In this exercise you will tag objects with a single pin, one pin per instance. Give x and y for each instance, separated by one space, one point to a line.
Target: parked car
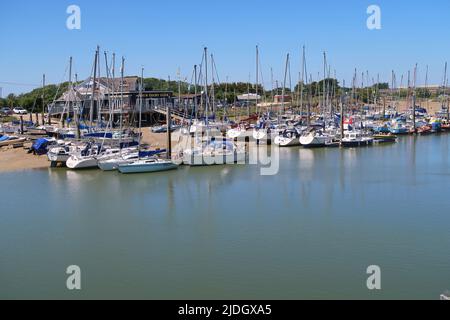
6 111
20 110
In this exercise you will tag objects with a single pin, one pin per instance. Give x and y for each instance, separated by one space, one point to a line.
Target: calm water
226 232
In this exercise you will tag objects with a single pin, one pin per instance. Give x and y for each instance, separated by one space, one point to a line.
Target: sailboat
289 137
147 166
212 148
86 159
151 164
315 139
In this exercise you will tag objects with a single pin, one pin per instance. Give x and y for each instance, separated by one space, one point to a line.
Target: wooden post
21 124
169 129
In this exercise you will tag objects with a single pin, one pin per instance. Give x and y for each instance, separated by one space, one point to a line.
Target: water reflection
185 233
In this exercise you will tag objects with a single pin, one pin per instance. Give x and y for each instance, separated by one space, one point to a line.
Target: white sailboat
84 160
315 139
243 131
151 164
147 165
288 138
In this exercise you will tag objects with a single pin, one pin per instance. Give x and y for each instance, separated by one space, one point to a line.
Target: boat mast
110 85
445 91
271 80
213 93
414 98
226 101
248 96
43 102
426 88
342 111
283 92
121 104
91 114
324 103
99 102
302 83
195 92
140 109
206 88
257 79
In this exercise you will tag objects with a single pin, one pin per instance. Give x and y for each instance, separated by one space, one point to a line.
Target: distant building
107 99
279 98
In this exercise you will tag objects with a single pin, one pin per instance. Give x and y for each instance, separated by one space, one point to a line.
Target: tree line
35 99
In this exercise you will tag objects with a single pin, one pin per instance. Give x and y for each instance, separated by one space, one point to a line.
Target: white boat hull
260 134
286 142
56 157
210 159
82 163
314 141
147 167
237 133
113 164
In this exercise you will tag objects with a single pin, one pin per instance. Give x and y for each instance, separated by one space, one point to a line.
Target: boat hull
146 168
286 142
209 160
55 157
11 142
314 141
236 134
83 163
355 144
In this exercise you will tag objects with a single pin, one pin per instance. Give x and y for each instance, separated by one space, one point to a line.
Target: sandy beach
19 159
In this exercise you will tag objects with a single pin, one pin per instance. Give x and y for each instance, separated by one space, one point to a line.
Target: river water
227 232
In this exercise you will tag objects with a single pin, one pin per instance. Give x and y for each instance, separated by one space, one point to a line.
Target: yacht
315 139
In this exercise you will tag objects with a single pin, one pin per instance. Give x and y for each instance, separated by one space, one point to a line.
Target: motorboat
356 138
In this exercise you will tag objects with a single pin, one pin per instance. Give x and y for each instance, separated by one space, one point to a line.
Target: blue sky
163 36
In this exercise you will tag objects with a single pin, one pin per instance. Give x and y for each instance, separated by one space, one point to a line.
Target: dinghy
10 140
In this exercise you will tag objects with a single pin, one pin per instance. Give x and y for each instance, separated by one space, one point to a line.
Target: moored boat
147 165
315 139
288 138
356 138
